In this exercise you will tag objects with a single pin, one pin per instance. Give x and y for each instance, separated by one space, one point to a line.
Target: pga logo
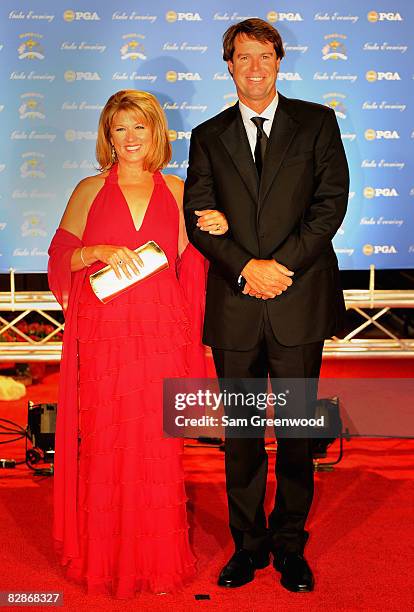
289 76
173 135
172 16
188 76
273 16
380 134
378 249
378 192
173 76
72 135
70 15
373 17
386 192
372 76
72 75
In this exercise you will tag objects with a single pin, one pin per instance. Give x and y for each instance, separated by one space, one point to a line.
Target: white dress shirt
251 130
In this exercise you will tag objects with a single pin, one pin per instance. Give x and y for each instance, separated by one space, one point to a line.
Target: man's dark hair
253 28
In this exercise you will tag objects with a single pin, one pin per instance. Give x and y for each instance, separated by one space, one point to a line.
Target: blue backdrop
61 61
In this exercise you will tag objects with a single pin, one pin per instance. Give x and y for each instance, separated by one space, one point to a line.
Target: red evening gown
133 532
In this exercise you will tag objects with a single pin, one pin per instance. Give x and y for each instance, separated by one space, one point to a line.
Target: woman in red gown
120 516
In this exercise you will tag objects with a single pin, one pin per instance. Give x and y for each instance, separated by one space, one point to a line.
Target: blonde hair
146 106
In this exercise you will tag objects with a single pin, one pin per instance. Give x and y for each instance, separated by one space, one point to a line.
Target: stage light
41 426
329 410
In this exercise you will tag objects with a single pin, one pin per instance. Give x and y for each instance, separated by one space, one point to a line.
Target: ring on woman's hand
218 227
120 262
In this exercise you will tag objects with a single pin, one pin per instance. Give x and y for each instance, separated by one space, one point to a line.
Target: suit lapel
284 128
234 138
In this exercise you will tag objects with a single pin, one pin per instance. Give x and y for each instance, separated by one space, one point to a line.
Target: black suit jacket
291 216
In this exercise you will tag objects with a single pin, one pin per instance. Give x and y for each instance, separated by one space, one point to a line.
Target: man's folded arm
199 194
328 207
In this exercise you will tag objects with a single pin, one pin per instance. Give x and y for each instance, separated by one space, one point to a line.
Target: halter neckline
113 175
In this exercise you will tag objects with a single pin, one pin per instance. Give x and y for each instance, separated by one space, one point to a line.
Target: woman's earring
113 154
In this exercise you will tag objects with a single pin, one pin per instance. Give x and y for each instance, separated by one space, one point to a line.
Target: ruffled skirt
131 498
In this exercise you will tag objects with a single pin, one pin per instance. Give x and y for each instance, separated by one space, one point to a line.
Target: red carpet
361 527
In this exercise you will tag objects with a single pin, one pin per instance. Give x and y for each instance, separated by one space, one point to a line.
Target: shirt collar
268 113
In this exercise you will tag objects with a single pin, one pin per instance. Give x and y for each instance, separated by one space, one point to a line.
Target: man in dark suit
277 169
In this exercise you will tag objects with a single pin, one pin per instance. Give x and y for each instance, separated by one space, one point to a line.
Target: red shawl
191 271
66 287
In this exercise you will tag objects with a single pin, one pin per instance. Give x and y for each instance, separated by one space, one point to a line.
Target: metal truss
363 302
382 302
21 304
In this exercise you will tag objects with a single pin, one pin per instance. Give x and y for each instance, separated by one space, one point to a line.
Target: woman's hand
119 258
212 221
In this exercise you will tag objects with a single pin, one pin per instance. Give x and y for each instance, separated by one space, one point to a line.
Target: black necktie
261 142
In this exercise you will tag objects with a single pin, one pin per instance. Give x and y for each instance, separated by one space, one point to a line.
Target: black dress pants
246 458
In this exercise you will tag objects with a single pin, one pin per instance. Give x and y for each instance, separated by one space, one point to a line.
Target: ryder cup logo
335 101
33 225
30 48
33 165
335 48
132 48
31 106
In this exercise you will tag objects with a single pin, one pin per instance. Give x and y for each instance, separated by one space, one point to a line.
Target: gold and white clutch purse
107 286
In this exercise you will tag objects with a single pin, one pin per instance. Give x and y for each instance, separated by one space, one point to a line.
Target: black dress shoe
241 567
296 575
